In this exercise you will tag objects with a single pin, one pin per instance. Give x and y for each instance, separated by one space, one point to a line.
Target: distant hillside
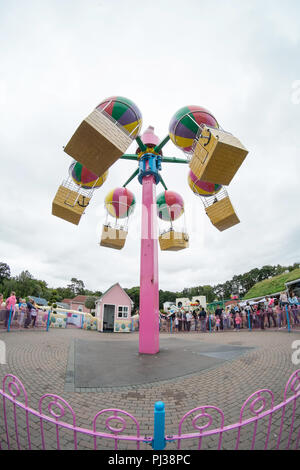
273 285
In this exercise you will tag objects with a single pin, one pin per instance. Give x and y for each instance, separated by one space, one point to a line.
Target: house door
109 318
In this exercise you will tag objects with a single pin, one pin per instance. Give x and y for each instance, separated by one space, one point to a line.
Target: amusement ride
213 155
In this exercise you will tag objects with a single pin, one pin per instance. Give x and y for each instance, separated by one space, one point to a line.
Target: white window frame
123 307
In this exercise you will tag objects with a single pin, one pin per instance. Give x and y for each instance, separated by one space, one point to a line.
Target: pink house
113 310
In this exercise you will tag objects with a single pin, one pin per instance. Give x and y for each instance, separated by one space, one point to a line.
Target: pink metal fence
261 424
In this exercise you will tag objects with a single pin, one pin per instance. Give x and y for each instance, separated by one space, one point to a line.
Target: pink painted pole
149 296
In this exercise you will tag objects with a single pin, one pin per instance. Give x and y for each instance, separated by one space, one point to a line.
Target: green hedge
271 286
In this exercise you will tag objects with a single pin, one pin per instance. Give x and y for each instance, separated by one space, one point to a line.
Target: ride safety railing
261 424
15 319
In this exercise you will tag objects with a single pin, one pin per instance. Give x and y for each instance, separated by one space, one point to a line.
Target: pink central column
149 296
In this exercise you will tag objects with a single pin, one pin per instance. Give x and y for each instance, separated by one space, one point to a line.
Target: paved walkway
40 361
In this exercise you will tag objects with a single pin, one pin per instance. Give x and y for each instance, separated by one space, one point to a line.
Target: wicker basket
113 237
173 241
98 143
217 156
69 205
222 214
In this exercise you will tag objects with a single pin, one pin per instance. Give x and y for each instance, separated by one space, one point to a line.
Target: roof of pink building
114 285
79 299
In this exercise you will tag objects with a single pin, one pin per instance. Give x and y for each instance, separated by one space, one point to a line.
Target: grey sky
59 59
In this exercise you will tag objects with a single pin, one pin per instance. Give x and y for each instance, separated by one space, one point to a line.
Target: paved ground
42 362
99 364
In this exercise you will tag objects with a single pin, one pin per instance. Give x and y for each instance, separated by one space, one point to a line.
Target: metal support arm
173 160
163 183
162 144
131 178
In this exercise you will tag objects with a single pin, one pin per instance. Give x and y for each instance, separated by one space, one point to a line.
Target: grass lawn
271 286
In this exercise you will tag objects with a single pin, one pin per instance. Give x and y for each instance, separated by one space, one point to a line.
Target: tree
10 285
97 294
166 296
90 303
134 294
77 287
4 272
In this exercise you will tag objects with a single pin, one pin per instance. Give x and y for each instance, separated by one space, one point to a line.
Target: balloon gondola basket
220 210
217 155
113 237
172 240
99 141
71 201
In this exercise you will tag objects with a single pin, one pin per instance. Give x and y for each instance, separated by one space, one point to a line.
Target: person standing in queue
189 317
202 316
233 313
218 314
30 308
249 317
10 304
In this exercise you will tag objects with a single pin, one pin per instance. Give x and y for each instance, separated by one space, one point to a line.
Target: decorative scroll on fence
261 424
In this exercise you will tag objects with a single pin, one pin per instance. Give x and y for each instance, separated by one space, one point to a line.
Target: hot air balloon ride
119 204
216 155
104 136
75 192
213 155
216 202
170 207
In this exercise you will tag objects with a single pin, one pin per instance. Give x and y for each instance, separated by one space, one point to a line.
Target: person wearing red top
261 316
10 304
238 322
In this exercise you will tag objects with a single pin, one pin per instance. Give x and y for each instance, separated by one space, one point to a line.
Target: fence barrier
261 424
16 319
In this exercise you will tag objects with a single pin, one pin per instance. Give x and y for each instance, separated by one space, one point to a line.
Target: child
238 322
218 321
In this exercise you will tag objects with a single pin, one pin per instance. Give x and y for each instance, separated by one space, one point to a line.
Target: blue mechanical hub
149 164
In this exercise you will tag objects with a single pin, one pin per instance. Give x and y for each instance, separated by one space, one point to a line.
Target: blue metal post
287 318
249 324
131 324
9 320
48 321
171 325
81 321
159 442
209 321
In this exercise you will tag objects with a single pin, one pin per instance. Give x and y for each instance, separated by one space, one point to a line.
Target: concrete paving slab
103 364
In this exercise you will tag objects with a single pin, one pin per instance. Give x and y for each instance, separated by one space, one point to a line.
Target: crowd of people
282 312
271 312
21 312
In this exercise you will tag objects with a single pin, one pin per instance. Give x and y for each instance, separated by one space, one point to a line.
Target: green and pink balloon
170 206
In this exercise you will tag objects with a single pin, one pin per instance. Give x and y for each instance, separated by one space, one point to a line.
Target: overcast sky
61 58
